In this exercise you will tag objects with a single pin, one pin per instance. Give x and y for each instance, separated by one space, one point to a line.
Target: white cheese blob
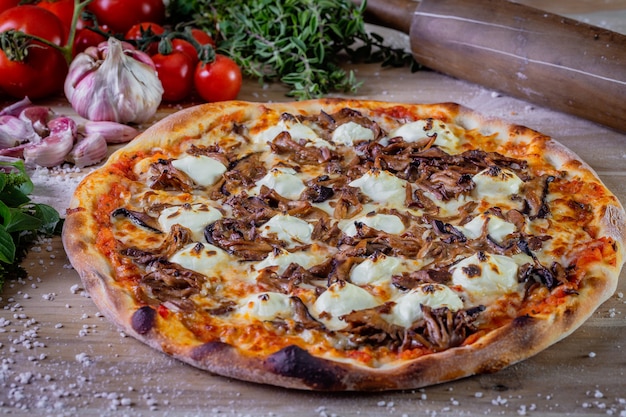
497 183
375 270
422 129
266 306
382 187
202 258
194 217
349 132
408 307
496 227
339 299
202 169
284 258
388 223
289 229
296 130
486 276
284 181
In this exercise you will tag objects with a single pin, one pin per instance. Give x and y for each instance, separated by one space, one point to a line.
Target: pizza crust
294 367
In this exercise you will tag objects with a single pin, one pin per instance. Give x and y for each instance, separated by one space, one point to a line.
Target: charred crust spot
295 362
208 349
523 321
142 320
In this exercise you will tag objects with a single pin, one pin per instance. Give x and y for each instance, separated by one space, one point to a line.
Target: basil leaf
7 247
13 196
49 217
21 221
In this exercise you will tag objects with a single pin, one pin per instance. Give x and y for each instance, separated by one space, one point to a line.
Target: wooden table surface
59 356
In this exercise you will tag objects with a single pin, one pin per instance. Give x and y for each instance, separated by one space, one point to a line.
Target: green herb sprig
21 220
300 43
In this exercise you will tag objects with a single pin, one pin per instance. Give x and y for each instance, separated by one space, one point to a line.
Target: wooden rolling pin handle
396 14
525 52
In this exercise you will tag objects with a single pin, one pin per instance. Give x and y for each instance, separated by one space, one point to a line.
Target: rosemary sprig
300 43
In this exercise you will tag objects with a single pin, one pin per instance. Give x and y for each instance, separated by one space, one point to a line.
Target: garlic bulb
114 82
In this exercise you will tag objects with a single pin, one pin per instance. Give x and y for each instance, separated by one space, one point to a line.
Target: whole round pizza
345 245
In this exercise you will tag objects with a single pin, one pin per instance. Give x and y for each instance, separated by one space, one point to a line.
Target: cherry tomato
43 70
7 4
63 9
187 48
134 34
34 21
202 37
121 15
219 80
86 38
176 72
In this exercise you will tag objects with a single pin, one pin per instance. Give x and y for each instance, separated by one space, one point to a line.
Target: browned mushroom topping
410 280
239 237
166 281
165 177
442 328
284 145
369 327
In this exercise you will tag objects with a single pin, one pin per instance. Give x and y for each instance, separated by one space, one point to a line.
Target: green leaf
7 247
48 216
13 196
21 221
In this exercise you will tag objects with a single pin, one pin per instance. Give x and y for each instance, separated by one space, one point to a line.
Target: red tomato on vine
219 80
121 15
176 71
38 70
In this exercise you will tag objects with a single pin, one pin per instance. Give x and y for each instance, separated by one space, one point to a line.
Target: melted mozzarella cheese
284 181
194 217
496 227
347 133
283 259
408 307
203 258
375 270
289 229
297 131
388 223
202 169
423 129
339 299
496 183
382 187
266 306
486 276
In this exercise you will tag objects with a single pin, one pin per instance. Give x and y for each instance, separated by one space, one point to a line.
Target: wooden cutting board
59 356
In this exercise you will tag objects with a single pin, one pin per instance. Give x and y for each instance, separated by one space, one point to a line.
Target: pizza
342 245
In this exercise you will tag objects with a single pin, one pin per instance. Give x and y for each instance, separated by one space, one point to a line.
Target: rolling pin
543 58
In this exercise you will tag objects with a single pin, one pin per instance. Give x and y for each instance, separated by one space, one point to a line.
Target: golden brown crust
293 366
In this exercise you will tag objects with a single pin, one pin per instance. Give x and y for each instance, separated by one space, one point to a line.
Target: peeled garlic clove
113 132
14 131
90 150
37 117
51 151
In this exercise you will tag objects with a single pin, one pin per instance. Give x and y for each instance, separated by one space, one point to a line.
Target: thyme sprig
301 43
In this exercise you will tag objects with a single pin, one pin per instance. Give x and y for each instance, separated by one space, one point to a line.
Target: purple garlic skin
113 82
